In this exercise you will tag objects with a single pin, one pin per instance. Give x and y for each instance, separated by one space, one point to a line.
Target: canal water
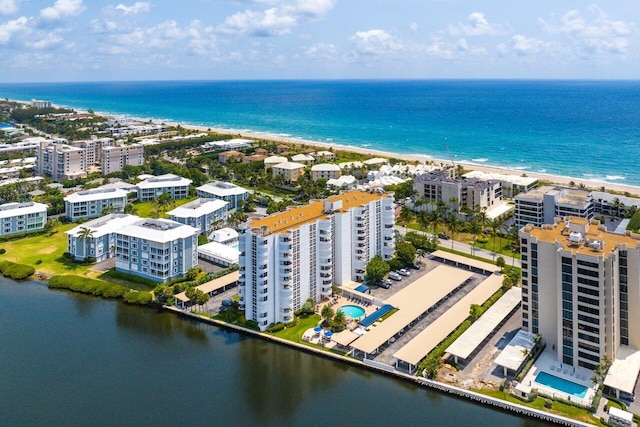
74 360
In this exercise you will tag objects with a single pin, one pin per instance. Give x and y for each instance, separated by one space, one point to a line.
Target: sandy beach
557 179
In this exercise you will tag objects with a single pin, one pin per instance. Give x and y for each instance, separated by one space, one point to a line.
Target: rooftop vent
596 245
575 238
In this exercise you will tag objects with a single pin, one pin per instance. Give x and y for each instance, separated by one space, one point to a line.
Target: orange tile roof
298 215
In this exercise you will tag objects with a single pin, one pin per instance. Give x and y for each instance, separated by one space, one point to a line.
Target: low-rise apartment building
290 171
176 186
94 203
96 239
156 249
202 214
325 171
544 204
223 191
22 217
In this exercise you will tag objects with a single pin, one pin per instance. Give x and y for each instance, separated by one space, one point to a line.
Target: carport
469 263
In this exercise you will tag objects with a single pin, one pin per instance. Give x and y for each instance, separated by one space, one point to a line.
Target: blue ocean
582 129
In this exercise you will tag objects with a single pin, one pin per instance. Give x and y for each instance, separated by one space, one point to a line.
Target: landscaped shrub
276 328
16 271
3 251
138 298
88 286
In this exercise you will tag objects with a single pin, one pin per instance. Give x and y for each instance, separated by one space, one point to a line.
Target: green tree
85 234
327 314
500 263
377 269
405 252
339 322
405 217
475 311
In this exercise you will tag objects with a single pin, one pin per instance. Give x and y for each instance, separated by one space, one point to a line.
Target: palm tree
454 225
84 234
496 225
423 220
617 205
327 314
405 217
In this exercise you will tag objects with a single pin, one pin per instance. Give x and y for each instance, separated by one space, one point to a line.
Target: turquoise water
353 311
583 129
562 385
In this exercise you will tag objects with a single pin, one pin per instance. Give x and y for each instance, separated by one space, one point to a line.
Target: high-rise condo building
291 256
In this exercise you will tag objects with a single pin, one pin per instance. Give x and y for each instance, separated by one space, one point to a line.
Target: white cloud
375 42
441 49
62 9
137 7
8 7
592 36
520 45
476 25
195 38
275 21
268 23
326 51
11 28
413 27
49 41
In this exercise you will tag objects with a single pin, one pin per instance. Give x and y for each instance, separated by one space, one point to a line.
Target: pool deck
548 363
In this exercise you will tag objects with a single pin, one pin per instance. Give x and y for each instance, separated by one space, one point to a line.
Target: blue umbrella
317 329
328 333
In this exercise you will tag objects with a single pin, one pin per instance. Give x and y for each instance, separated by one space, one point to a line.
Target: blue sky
78 40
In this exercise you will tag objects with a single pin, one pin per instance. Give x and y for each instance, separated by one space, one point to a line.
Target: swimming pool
562 385
353 311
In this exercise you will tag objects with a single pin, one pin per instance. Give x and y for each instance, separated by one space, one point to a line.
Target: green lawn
295 333
48 250
556 408
148 210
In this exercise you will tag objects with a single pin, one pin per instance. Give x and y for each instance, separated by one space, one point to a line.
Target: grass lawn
48 250
148 210
295 333
556 408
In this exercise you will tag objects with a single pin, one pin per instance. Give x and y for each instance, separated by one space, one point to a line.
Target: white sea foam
614 178
480 160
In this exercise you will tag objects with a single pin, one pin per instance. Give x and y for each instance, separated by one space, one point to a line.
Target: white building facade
22 217
93 203
581 289
176 186
291 256
156 249
201 214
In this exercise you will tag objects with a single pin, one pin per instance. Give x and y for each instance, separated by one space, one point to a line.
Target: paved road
464 247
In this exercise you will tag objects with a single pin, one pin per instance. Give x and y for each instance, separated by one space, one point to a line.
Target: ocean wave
480 160
521 168
542 171
614 178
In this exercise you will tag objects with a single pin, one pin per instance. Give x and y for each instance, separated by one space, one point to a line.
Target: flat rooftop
298 215
558 234
482 328
416 349
463 260
411 302
623 373
513 354
512 179
213 285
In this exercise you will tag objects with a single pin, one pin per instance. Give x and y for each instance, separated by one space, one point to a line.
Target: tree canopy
377 269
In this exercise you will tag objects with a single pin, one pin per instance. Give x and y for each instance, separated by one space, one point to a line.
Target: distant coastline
559 131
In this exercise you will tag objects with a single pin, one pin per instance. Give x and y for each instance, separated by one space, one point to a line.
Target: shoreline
564 180
423 158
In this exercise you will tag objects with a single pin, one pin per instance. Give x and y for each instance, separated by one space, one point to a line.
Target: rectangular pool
562 385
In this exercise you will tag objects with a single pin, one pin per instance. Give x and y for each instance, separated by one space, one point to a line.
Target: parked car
416 266
395 276
227 303
404 272
385 284
443 236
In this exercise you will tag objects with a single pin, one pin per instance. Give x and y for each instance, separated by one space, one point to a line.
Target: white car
395 276
404 272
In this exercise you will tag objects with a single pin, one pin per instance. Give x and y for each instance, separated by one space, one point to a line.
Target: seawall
424 382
